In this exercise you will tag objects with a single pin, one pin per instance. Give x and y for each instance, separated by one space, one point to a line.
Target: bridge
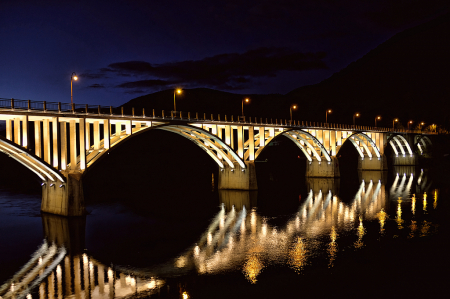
60 142
236 235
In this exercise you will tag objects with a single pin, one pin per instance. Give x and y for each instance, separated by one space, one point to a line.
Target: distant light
247 100
75 78
178 91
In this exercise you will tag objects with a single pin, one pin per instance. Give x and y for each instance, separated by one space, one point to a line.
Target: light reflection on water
237 239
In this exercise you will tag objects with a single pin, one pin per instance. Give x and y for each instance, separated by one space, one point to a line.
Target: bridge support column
373 164
65 199
323 184
64 231
323 169
407 160
238 178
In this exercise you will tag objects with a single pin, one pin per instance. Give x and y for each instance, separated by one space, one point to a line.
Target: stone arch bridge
61 142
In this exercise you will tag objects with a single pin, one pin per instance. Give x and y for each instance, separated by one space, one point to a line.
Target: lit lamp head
396 119
178 90
294 107
357 114
329 111
74 76
247 100
378 117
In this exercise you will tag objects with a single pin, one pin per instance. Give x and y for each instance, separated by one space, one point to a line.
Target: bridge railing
36 106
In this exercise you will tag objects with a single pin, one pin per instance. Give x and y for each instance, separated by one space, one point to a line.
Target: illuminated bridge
61 142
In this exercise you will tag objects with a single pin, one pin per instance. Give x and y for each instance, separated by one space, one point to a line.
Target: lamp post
377 118
409 123
292 107
246 100
421 125
72 78
326 115
393 123
355 115
178 90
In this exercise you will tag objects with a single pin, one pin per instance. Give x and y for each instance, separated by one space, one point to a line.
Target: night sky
125 49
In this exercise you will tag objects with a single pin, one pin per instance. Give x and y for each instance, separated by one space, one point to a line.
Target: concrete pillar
239 199
372 164
96 135
88 136
323 184
240 140
251 143
262 137
106 134
9 128
37 138
25 135
82 131
46 135
407 160
65 231
65 199
118 128
323 169
55 135
73 145
63 137
228 135
238 178
17 137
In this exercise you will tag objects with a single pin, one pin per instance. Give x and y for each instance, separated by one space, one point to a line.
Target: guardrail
97 110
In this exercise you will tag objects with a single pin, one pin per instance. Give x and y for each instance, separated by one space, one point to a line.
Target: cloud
224 71
96 85
143 84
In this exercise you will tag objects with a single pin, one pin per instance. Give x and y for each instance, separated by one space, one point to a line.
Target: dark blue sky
124 49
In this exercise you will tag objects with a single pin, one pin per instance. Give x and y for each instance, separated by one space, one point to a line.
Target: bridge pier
65 199
373 163
323 169
406 160
238 178
64 231
323 185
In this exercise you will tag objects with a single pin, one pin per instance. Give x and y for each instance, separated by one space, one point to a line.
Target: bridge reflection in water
237 238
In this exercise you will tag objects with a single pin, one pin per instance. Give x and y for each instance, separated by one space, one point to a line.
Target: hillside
406 77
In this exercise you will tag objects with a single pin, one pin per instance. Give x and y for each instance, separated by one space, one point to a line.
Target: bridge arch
219 151
423 143
364 145
307 143
37 165
399 144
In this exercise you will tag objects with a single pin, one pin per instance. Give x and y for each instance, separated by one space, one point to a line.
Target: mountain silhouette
405 77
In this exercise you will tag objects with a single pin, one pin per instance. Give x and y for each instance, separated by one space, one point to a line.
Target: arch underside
423 144
400 146
220 152
364 145
42 169
307 143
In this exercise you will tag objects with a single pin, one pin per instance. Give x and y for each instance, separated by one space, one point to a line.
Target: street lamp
409 123
393 122
421 124
178 90
246 100
377 118
326 115
293 107
72 78
355 115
